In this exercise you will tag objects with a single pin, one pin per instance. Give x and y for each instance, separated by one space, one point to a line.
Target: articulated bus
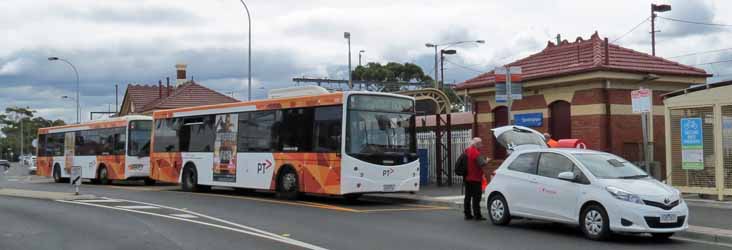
343 143
114 149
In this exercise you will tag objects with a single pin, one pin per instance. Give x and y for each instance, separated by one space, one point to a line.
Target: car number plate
668 218
388 187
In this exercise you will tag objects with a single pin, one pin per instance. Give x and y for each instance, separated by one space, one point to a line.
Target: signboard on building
529 119
641 100
502 77
692 144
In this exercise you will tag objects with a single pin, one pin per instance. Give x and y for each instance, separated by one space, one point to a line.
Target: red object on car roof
571 143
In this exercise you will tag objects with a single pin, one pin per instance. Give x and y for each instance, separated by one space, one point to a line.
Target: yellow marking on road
133 188
295 203
404 209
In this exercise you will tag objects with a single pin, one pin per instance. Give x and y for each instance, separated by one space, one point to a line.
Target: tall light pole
359 56
249 63
433 45
656 8
442 64
78 107
347 36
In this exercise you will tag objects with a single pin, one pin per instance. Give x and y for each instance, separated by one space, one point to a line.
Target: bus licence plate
668 218
388 187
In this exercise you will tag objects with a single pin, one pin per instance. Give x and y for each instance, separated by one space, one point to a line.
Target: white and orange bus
114 149
343 143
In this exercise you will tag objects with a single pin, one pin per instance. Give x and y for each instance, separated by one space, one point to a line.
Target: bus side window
327 129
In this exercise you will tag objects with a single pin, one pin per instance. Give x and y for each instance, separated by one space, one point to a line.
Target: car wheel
103 176
594 223
57 174
498 210
661 236
288 185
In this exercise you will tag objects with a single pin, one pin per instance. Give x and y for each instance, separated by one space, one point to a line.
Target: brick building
582 89
144 99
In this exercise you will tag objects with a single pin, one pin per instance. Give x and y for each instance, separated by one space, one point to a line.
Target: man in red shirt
473 180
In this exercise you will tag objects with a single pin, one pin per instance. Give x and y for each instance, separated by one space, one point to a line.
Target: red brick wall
592 130
588 96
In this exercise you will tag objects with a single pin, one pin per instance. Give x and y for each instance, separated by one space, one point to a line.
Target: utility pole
347 36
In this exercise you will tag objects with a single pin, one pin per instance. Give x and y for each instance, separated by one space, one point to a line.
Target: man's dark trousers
473 194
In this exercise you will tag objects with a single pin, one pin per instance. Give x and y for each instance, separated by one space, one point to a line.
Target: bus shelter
698 122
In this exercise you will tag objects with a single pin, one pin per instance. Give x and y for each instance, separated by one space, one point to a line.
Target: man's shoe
479 218
468 217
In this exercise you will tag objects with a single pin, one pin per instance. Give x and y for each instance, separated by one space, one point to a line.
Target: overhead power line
465 67
631 30
695 22
709 63
702 52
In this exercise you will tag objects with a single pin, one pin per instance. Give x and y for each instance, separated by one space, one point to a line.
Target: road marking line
264 233
701 241
304 204
278 238
138 207
188 216
98 201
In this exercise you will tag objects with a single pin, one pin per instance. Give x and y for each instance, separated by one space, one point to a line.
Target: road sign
75 178
692 144
506 77
529 119
641 100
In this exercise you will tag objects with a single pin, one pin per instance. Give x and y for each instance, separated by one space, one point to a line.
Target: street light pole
359 56
656 8
78 107
347 36
442 65
432 45
249 63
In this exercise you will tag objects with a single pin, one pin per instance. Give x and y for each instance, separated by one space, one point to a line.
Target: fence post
438 148
448 125
718 150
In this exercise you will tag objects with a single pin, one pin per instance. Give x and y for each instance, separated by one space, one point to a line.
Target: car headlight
624 195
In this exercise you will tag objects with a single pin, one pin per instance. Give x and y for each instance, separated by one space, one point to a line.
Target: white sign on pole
641 100
75 178
508 78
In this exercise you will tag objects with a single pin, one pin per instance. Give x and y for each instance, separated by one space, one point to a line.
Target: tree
11 121
393 76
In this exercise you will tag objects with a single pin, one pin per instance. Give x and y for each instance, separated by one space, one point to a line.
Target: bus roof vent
297 91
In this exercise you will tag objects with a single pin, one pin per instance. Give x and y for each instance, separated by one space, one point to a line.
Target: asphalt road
321 221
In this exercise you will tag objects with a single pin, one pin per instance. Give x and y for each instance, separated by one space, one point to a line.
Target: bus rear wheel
288 185
57 174
189 180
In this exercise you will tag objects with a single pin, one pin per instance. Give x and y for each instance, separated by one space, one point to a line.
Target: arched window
560 120
500 118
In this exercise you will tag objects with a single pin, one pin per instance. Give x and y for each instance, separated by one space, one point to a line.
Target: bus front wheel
288 184
103 176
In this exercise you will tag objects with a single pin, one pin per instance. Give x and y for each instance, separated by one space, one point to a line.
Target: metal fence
460 141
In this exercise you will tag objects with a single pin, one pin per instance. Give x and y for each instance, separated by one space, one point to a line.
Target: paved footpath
710 220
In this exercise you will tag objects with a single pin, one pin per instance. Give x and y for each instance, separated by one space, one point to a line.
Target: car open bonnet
517 138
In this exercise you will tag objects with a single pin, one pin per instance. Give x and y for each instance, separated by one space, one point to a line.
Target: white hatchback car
600 192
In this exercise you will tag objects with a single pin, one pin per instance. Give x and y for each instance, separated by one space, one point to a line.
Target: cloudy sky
139 41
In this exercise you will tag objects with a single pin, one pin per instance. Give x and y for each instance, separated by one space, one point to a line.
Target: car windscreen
608 166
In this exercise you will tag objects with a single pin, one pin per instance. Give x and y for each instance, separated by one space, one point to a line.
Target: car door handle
534 181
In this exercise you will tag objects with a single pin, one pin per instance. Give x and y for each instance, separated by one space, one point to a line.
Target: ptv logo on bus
387 172
263 166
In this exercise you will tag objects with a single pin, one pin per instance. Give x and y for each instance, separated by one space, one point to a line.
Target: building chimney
167 86
160 89
607 52
181 74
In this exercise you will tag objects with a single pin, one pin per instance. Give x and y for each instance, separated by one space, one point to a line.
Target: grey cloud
698 11
139 14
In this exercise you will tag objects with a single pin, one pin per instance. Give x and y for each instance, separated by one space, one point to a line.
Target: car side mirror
567 176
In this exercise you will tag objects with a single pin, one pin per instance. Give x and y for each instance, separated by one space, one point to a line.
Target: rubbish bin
424 164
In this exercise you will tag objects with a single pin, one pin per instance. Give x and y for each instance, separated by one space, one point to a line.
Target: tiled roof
584 56
187 95
142 95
